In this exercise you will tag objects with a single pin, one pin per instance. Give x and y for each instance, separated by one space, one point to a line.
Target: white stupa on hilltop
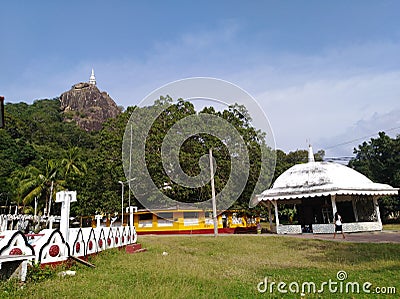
92 79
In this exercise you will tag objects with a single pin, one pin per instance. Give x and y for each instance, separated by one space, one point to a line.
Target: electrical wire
360 138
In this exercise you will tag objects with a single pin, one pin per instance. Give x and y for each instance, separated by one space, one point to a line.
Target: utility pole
214 204
1 112
51 197
122 202
130 169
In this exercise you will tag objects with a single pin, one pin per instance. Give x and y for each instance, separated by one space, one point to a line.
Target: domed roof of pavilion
321 179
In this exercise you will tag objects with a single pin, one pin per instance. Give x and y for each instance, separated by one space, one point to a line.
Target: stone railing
330 228
289 229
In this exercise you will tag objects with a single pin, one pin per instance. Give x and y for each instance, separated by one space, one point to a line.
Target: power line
360 138
346 158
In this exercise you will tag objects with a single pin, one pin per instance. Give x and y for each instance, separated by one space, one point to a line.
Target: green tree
379 160
98 189
43 185
72 164
196 147
34 135
38 135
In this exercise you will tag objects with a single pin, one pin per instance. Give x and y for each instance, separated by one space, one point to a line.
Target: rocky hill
85 104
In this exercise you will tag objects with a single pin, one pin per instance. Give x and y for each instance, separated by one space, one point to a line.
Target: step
134 248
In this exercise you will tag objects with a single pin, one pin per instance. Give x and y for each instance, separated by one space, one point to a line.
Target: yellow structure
180 221
188 221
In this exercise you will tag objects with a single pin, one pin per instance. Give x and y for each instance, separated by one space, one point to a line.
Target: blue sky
324 71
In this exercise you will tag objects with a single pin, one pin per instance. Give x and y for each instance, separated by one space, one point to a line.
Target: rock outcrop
87 106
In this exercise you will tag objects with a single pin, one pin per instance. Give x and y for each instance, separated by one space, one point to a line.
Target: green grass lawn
223 267
394 226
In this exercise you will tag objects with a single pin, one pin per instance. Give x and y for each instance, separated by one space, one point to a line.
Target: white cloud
306 98
343 143
321 97
326 107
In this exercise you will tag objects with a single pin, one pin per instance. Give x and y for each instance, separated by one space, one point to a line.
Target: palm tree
41 184
15 181
72 163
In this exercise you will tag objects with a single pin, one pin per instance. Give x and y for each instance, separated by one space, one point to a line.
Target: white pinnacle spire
92 79
310 154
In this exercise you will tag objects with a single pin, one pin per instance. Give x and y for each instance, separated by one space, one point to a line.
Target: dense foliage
379 159
194 149
41 153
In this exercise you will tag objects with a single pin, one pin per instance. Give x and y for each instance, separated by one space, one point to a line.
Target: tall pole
51 195
214 204
130 169
1 112
122 203
35 207
34 217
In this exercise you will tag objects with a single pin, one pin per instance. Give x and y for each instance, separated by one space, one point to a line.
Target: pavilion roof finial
310 154
92 79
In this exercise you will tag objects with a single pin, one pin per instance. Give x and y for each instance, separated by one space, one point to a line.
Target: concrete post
51 220
4 223
24 270
98 218
65 198
131 210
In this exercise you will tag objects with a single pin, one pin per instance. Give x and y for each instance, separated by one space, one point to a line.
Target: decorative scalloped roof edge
316 179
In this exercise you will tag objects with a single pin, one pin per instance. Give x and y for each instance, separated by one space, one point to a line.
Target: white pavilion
317 190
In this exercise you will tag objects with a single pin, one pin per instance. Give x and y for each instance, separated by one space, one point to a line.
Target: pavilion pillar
376 207
275 203
269 215
333 200
353 202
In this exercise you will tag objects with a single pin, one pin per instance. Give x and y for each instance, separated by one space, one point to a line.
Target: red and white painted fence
51 246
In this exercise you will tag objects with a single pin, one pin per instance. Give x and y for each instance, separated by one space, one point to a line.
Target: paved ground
366 237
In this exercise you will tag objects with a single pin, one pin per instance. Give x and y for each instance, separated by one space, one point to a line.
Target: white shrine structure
317 190
92 79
